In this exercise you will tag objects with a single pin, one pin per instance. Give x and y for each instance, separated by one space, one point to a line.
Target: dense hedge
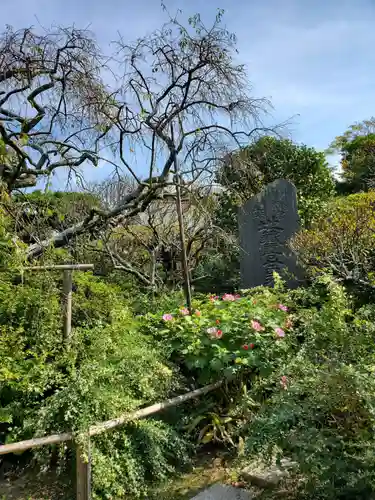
341 241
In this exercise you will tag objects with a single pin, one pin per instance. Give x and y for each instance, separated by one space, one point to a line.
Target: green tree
341 241
245 172
357 149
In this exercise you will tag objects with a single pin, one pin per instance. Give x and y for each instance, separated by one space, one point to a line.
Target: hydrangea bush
306 362
225 335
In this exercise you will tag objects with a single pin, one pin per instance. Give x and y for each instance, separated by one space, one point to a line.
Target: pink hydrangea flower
167 317
228 297
185 311
237 296
279 332
282 307
284 382
214 332
257 326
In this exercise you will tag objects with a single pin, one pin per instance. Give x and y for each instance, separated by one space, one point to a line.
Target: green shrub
342 241
142 453
109 368
225 335
247 171
144 303
318 408
95 300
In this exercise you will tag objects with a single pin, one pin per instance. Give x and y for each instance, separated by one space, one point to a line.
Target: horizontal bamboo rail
109 424
61 267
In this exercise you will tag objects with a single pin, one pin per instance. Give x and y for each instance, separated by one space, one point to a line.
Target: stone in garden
266 224
223 492
265 476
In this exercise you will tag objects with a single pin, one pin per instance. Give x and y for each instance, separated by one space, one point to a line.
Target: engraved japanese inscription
266 224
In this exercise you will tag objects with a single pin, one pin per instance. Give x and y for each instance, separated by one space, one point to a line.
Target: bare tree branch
47 83
185 77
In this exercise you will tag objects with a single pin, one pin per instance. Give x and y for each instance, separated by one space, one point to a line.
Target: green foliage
219 263
155 302
219 268
38 213
308 396
222 337
109 368
357 149
11 248
342 240
95 300
215 428
144 452
247 171
321 414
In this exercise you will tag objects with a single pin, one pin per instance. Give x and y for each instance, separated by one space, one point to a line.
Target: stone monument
266 224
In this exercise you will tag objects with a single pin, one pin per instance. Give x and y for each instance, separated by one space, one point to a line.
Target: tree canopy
357 149
174 117
245 172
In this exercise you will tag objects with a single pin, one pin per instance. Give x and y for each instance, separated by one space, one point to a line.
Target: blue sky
314 59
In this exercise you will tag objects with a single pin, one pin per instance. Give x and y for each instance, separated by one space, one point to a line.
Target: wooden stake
83 475
67 304
185 265
67 290
184 258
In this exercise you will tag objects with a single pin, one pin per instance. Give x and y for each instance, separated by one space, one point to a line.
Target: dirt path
209 468
28 487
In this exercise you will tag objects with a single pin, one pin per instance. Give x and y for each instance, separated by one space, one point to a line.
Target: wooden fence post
67 290
83 474
67 304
